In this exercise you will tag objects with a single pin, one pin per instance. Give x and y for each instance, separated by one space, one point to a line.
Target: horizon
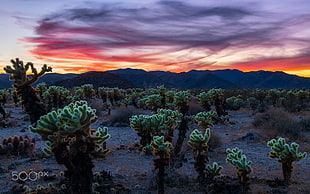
175 36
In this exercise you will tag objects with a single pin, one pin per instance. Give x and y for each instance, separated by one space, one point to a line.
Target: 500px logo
28 175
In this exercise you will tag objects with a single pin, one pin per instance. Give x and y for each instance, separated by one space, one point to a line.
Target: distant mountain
98 79
195 79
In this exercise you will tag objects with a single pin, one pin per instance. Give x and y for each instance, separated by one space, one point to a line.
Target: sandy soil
135 170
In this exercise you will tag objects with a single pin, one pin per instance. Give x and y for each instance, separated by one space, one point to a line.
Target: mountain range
195 79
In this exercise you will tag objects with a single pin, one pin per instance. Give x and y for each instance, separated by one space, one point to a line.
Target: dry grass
123 114
276 122
194 108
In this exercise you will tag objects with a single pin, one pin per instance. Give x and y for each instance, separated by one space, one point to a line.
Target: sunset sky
80 36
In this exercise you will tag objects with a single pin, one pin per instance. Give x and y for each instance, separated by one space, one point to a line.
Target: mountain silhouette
195 79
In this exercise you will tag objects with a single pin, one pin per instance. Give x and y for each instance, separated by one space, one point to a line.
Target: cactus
161 124
56 97
199 142
204 101
69 139
162 149
213 171
239 160
181 100
18 145
41 88
205 119
286 154
154 102
234 103
22 84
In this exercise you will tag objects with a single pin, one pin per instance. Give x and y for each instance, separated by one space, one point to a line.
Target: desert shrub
277 122
122 115
194 108
305 123
215 141
97 105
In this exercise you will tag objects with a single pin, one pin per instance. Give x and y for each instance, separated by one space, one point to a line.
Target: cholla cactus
153 102
213 171
204 101
239 160
286 154
22 83
198 142
69 135
181 100
88 91
162 149
56 97
205 119
18 145
41 88
234 103
162 124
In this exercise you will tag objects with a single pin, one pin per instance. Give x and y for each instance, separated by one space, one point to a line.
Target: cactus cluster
161 124
18 145
70 139
239 160
56 97
286 154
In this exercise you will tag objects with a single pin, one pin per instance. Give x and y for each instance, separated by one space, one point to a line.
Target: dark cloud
171 26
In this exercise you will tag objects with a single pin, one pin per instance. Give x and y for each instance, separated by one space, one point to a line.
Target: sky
180 35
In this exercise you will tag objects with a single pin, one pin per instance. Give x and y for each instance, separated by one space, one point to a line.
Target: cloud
173 35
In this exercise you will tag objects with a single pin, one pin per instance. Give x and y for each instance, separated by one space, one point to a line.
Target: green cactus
204 101
22 84
198 142
234 103
70 139
205 119
162 149
213 171
41 88
239 160
56 97
153 102
147 126
286 154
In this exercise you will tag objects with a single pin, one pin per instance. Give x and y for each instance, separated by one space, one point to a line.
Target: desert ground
133 170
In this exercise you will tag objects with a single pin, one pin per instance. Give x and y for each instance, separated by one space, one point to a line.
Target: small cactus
198 142
286 154
18 145
205 119
213 171
239 160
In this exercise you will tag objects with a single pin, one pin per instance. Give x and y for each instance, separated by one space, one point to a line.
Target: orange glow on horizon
297 66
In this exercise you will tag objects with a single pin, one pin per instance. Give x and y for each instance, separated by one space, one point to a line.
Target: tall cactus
198 142
286 154
68 136
162 149
22 84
